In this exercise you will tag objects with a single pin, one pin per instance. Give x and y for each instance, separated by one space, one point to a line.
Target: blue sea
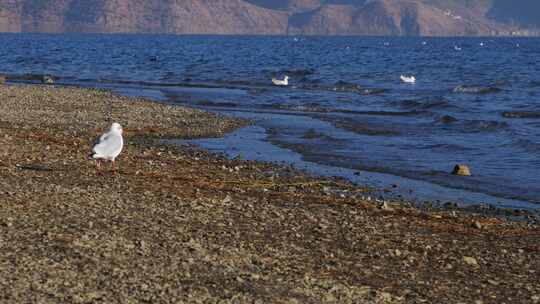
476 101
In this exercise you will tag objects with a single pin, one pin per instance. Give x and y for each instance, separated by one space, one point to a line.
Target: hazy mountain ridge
314 17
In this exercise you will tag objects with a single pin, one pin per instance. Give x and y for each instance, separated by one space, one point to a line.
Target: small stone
493 282
385 297
227 199
461 170
477 225
328 298
470 261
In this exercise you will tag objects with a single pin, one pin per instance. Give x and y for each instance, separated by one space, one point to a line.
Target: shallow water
345 106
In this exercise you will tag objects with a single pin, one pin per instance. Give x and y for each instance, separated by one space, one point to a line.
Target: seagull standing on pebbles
108 146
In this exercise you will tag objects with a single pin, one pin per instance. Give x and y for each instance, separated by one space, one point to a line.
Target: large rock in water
461 170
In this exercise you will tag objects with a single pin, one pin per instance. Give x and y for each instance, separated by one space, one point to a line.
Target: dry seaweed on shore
182 225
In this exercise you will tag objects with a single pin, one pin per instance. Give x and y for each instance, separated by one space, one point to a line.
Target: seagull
108 146
278 82
408 79
457 48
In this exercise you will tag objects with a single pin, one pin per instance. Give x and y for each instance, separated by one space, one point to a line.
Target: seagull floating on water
108 146
408 79
457 48
278 82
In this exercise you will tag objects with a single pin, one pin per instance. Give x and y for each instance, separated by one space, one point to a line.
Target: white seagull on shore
108 146
278 82
408 79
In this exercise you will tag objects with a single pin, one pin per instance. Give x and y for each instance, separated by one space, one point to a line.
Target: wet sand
179 225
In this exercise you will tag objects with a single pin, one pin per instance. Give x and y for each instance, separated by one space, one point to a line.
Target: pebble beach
177 224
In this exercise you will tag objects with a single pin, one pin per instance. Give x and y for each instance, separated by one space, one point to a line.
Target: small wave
308 107
360 128
435 103
382 113
484 125
312 134
527 145
472 89
445 147
372 91
447 119
342 86
521 114
296 72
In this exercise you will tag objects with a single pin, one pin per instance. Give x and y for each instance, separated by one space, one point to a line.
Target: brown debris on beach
180 225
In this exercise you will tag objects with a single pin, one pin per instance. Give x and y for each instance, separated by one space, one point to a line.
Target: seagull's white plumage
109 145
408 79
279 82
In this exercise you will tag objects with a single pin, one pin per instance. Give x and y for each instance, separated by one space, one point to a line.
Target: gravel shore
178 225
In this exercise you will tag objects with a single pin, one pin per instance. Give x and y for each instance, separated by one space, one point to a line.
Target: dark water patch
473 89
208 103
446 119
521 114
372 91
312 134
535 83
437 103
342 86
359 127
381 113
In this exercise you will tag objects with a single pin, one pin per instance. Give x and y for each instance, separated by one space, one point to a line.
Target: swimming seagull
278 82
408 79
108 146
457 48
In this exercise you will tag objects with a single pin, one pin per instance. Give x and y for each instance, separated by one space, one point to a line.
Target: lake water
476 100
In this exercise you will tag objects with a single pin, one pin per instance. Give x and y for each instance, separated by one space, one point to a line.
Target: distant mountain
276 17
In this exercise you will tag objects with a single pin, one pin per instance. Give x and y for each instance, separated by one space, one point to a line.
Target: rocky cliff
314 17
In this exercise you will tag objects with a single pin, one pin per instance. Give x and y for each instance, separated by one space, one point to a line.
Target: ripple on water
521 114
474 89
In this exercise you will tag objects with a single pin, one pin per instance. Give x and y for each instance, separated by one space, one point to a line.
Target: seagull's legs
113 166
98 164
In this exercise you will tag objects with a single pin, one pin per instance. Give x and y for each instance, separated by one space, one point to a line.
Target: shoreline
180 223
